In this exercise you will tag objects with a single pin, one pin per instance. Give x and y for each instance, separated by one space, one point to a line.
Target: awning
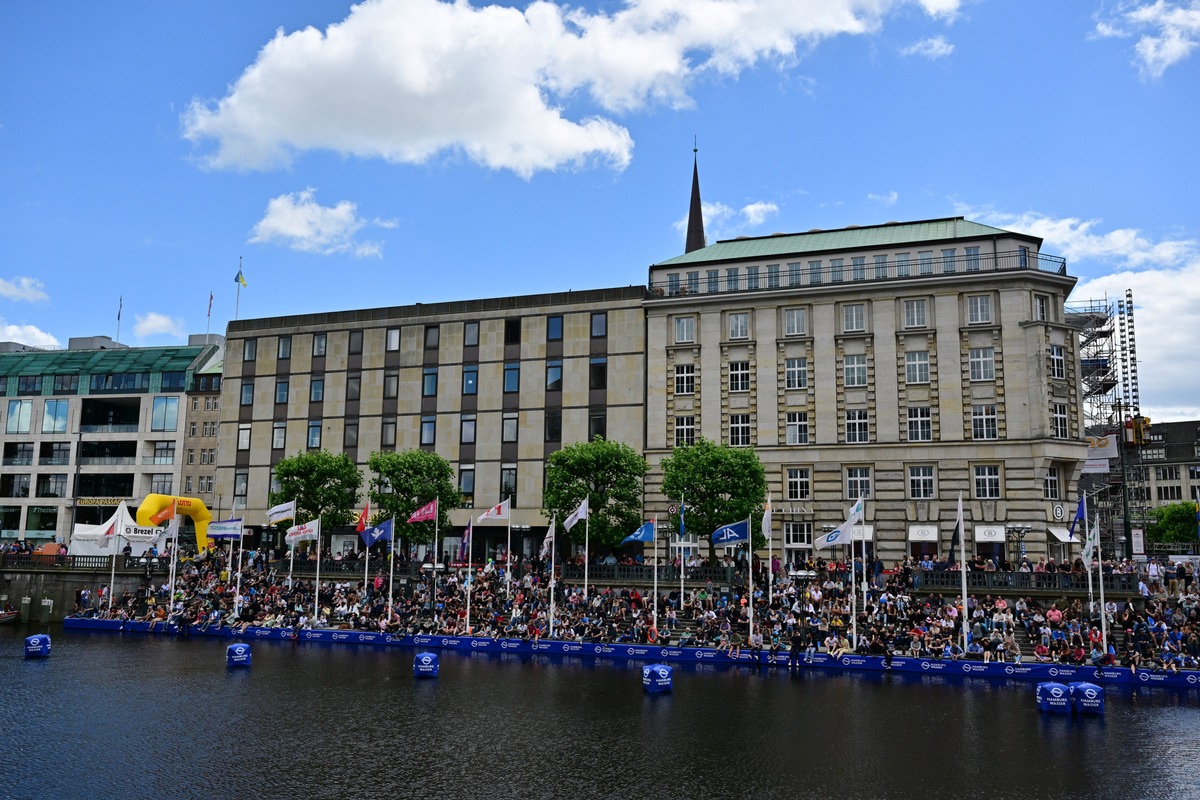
1062 534
989 533
923 533
864 532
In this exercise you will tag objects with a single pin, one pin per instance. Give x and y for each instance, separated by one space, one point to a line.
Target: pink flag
426 512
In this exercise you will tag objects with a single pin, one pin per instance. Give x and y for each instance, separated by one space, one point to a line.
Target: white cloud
931 48
888 199
155 324
406 80
27 289
757 213
27 334
1164 276
296 220
1167 31
723 221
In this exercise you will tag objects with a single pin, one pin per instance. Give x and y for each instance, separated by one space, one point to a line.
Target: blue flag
1078 518
732 534
683 508
642 534
381 531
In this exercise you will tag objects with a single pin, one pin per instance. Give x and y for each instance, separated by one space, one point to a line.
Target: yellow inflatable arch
193 507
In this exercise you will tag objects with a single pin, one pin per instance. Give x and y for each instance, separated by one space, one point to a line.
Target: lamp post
1020 532
431 569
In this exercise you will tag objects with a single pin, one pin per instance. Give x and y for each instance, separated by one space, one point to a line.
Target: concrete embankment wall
60 588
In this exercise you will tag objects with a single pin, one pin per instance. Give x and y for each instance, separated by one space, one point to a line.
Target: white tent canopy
89 540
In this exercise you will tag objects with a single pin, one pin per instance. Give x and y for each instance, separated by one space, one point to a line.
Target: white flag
281 512
1089 545
308 532
766 520
498 511
576 515
169 533
844 533
547 542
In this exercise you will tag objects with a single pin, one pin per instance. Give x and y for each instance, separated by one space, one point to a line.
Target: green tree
609 475
1173 523
322 484
720 484
406 481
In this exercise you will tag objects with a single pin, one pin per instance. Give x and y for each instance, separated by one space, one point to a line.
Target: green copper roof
891 234
98 362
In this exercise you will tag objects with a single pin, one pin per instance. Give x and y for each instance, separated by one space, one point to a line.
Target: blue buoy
37 646
657 678
1087 698
1053 698
425 665
237 655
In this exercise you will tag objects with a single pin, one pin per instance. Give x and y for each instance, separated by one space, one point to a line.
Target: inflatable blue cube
237 655
1053 698
37 646
425 665
657 678
1087 698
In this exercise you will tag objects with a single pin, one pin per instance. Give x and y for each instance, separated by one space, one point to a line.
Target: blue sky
416 151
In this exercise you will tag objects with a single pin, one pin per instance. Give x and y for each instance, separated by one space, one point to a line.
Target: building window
914 314
391 383
466 484
854 318
1041 308
752 278
54 420
392 340
243 436
858 427
318 345
281 390
187 484
353 387
191 453
948 259
835 269
162 483
797 538
508 483
795 276
858 268
916 366
387 434
979 309
881 267
241 487
685 330
693 283
902 261
1023 256
554 376
772 276
278 436
972 259
428 431
673 284
685 431
470 383
471 334
249 349
797 485
987 482
739 430
597 424
350 434
925 262
795 373
1058 362
247 393
63 384
713 279
983 421
795 321
732 279
739 376
466 433
508 427
1058 421
512 377
433 337
854 370
553 424
814 273
165 414
739 326
284 349
920 483
685 379
920 424
599 324
429 381
1052 486
14 485
314 434
797 427
858 482
1167 473
356 343
982 363
598 373
316 390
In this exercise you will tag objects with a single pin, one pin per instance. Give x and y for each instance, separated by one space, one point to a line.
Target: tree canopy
405 481
719 484
1173 523
322 484
610 476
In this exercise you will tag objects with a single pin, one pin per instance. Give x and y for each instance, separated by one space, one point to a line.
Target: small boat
9 616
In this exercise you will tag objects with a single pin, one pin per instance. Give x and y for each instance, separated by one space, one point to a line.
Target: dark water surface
116 716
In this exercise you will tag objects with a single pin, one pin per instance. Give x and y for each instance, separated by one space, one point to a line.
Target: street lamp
1019 531
431 569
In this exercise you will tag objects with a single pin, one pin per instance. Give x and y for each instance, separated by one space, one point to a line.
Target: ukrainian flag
240 278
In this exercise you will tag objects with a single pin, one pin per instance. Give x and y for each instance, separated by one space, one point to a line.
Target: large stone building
89 426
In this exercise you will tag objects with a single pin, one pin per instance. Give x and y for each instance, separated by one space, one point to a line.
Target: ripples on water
147 716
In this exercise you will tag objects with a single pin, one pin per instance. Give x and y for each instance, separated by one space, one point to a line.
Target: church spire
695 228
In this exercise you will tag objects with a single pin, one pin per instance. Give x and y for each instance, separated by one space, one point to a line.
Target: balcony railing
799 275
18 461
159 460
132 428
1004 582
91 461
54 461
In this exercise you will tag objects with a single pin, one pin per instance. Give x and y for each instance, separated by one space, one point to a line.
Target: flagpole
391 569
655 621
317 589
770 562
237 591
112 581
553 537
962 568
853 596
120 307
1087 531
238 299
1103 611
174 549
508 557
367 564
682 565
587 556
